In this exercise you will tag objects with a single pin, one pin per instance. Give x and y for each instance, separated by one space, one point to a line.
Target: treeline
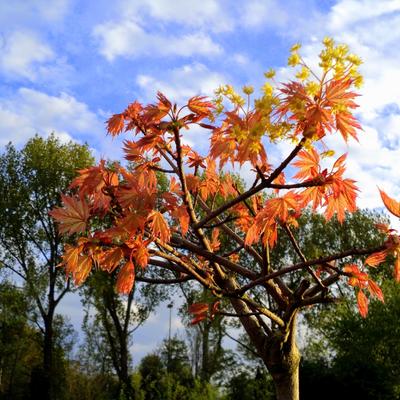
41 356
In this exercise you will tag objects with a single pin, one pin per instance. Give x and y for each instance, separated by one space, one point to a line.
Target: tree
116 319
166 230
30 246
19 350
167 374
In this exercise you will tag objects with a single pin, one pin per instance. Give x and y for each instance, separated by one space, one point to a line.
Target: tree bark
48 358
283 361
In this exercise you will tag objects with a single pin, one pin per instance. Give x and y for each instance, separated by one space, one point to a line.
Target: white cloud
210 14
22 11
22 52
182 83
262 13
129 39
347 12
372 30
29 112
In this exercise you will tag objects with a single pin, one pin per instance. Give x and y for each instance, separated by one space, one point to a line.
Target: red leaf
73 216
392 205
110 259
362 302
375 290
375 259
199 106
198 308
115 124
84 266
126 278
308 164
159 226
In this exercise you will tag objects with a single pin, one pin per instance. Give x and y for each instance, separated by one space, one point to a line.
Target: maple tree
178 230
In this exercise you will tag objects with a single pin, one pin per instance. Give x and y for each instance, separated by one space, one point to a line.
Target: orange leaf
362 302
126 278
70 258
142 256
73 216
159 226
375 259
198 308
199 106
252 235
215 243
115 124
308 164
392 205
375 290
110 259
84 266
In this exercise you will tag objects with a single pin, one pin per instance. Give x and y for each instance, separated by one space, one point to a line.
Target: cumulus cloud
261 13
129 39
181 83
30 111
210 14
370 29
28 12
22 52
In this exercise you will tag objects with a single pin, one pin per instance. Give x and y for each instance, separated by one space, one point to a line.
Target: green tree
354 356
19 349
31 180
115 320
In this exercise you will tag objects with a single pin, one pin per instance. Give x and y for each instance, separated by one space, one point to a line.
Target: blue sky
67 65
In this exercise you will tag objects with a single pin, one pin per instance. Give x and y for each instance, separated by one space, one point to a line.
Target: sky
67 65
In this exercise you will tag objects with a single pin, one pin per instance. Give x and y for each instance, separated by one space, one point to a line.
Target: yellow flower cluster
336 58
228 92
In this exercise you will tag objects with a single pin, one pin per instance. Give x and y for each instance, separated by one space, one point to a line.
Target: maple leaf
340 198
375 259
141 256
346 123
110 259
199 311
115 124
159 226
362 303
392 205
164 103
70 258
72 218
82 270
126 278
198 105
308 163
375 290
279 207
183 217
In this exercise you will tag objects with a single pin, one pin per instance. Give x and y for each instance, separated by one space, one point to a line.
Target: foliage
147 226
363 359
169 376
30 246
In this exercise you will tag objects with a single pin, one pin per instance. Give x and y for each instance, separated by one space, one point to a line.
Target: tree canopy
120 220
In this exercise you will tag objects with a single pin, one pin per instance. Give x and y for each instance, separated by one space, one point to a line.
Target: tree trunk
283 364
48 359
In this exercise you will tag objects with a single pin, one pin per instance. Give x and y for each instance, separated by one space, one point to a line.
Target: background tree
352 355
31 180
115 319
20 351
165 230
